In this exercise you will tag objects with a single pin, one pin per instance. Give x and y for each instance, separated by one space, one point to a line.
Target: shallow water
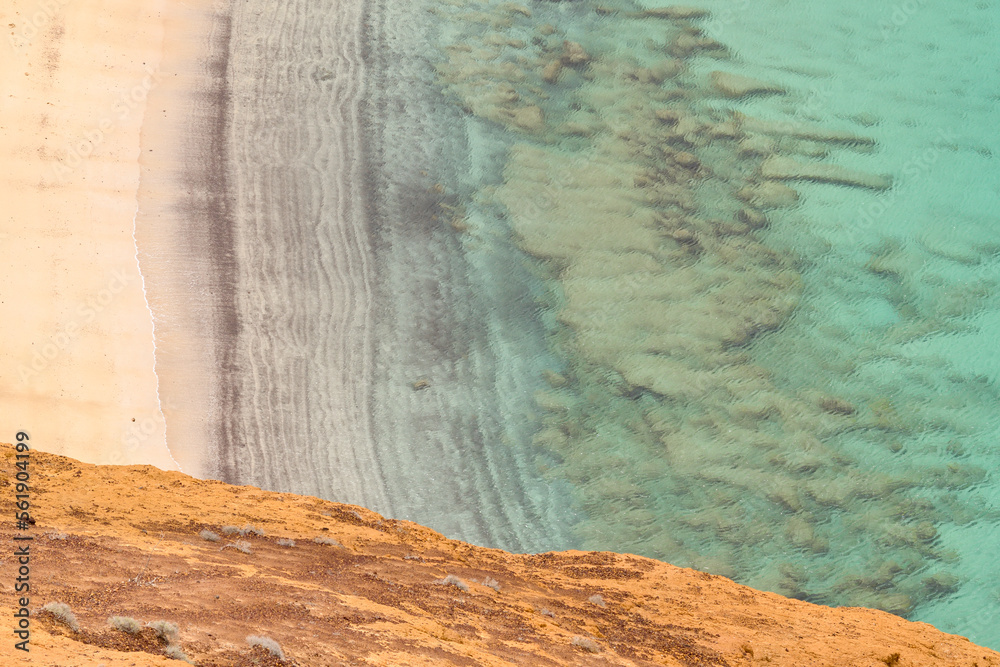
922 79
808 405
584 301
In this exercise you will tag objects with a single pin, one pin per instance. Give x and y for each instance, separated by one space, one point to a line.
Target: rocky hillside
194 568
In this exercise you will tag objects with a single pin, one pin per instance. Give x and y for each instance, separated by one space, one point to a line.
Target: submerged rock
768 194
513 8
724 130
784 168
801 131
529 118
579 128
574 54
554 379
687 43
658 73
675 12
734 85
752 218
667 116
757 144
837 406
551 72
942 583
686 160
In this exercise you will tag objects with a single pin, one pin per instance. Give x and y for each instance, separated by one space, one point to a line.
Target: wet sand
76 350
297 369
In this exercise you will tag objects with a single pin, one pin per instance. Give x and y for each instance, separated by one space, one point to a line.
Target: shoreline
292 350
77 371
184 228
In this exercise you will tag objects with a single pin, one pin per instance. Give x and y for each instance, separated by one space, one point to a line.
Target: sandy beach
76 345
222 232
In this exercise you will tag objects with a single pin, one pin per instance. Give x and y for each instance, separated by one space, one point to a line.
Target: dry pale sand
76 343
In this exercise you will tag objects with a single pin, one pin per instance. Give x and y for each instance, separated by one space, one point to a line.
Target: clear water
568 288
809 405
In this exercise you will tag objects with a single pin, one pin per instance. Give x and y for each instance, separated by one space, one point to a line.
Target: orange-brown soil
124 541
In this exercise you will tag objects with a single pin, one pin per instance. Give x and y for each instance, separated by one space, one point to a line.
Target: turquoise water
796 388
922 78
715 285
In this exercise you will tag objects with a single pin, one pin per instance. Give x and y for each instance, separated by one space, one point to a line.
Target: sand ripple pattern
298 413
362 367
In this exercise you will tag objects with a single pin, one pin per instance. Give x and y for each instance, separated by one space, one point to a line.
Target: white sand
172 228
76 341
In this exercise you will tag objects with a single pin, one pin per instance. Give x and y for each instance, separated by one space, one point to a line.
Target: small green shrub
239 545
125 624
452 580
63 614
268 644
174 651
165 630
